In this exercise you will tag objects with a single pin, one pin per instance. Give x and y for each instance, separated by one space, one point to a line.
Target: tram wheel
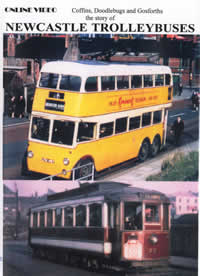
155 147
96 265
84 171
34 253
66 258
144 151
50 255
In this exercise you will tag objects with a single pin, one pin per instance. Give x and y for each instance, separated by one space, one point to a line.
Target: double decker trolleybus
103 223
96 113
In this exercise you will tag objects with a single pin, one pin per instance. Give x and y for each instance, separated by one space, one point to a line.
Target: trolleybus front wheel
84 168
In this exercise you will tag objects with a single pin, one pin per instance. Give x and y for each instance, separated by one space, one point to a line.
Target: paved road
18 261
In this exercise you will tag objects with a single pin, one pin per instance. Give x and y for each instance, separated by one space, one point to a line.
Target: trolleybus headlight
30 154
66 161
153 239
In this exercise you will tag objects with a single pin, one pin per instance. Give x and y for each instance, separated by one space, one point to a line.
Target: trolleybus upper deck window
136 81
40 129
132 216
152 213
70 83
167 79
159 80
63 132
148 80
91 84
108 83
48 80
122 82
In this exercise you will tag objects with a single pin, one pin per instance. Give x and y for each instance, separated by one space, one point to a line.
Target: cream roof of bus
85 69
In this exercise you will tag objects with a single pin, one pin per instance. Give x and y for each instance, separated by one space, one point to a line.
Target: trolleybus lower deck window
85 131
40 128
63 132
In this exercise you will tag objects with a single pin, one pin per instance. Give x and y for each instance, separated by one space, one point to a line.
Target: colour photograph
86 106
99 118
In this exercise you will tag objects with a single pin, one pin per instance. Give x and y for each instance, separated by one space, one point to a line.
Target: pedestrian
11 106
177 130
20 107
180 88
17 97
20 102
195 100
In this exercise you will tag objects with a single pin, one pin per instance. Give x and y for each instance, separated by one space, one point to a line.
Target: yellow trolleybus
97 113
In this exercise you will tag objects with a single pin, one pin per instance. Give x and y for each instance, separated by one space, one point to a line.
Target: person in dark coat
195 100
20 102
11 106
17 103
177 130
180 88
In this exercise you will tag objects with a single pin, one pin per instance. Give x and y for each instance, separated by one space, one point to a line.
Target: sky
30 187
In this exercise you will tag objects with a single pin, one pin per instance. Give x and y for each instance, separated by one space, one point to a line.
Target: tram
103 223
96 113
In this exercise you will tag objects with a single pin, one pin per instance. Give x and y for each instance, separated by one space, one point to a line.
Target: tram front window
152 213
63 132
132 216
40 129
